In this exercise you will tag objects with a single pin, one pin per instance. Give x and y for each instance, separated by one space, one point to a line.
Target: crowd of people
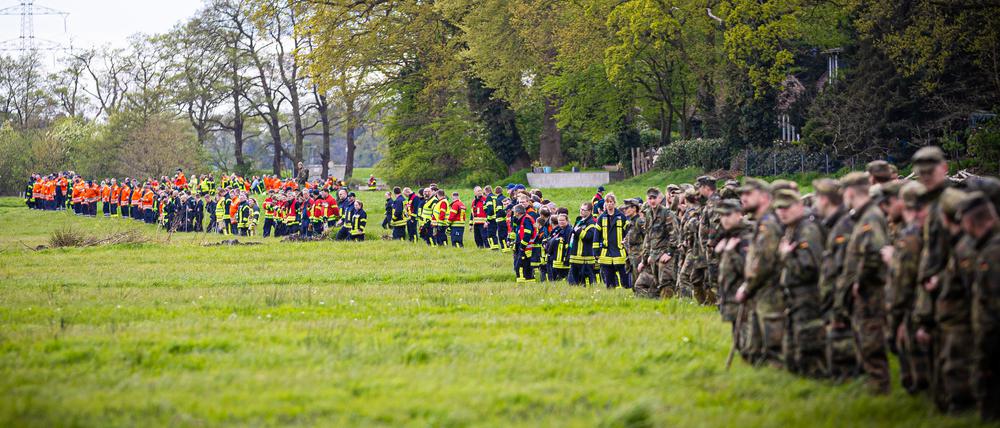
229 206
824 285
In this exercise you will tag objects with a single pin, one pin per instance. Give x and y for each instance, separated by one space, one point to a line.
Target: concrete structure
569 179
336 171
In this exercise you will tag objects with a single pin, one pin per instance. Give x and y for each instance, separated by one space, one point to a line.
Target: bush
707 154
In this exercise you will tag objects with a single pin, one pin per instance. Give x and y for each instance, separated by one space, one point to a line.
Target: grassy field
171 332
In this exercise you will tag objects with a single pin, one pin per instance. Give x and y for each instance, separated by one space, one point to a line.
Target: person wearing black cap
598 201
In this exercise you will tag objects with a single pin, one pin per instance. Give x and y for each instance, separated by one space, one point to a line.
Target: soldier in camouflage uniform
691 277
732 247
800 253
761 287
978 218
634 234
901 291
657 277
836 224
947 318
863 279
708 230
932 171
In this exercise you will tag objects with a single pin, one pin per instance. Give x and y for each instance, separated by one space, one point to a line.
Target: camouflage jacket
986 299
661 233
934 254
731 263
863 261
837 229
901 289
800 267
762 266
709 229
689 237
634 235
953 303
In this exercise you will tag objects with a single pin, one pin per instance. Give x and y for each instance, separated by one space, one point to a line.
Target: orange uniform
147 200
116 193
105 193
234 207
126 192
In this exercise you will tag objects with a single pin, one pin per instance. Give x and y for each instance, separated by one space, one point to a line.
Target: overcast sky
98 22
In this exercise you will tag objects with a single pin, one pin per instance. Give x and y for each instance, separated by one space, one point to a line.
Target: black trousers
614 276
399 232
479 234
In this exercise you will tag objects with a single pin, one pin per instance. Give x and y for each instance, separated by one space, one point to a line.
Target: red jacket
457 212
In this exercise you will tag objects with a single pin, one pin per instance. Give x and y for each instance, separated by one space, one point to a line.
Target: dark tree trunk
349 126
324 120
550 152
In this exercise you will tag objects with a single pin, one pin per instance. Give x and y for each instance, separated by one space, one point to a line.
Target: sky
100 22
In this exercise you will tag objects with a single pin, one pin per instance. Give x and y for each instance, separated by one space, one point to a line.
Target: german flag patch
866 227
984 267
804 245
840 239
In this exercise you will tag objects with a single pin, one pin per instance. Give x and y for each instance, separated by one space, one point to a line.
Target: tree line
230 88
481 88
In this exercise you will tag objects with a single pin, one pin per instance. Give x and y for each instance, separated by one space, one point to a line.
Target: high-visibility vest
612 229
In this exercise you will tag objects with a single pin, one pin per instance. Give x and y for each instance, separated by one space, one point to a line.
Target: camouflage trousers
841 352
868 323
772 334
712 283
657 280
691 278
914 362
953 369
748 340
986 384
804 342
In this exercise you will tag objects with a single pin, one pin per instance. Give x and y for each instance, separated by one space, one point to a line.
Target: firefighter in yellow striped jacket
612 257
583 248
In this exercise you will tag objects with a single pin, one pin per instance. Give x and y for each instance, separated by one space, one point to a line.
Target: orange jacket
91 193
126 193
62 183
49 190
105 193
234 208
136 196
147 200
116 193
181 180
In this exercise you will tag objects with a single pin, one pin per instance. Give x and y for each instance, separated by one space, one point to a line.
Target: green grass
372 333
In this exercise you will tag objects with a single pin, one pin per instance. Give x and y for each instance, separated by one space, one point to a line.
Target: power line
27 42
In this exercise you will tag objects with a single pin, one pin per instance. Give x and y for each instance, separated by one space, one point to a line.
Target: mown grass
368 334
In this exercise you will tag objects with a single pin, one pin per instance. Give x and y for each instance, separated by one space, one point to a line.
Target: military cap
826 187
672 188
880 169
911 193
707 180
691 193
732 183
634 202
784 198
777 185
652 191
751 183
855 179
891 188
928 155
728 206
969 202
990 186
949 201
